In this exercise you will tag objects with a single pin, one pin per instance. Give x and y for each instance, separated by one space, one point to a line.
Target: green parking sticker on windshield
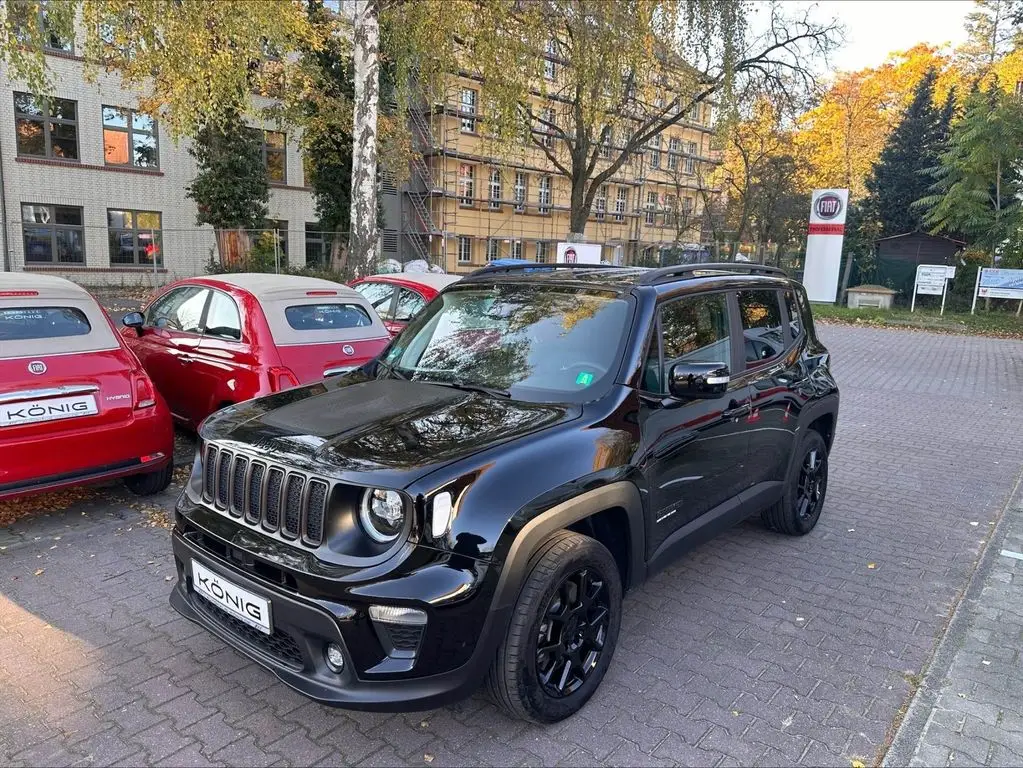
585 378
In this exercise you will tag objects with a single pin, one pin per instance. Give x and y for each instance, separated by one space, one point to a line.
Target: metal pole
1019 307
277 254
845 280
944 290
976 287
152 241
916 283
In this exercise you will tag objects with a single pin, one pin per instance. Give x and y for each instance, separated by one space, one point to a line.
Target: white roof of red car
47 286
270 286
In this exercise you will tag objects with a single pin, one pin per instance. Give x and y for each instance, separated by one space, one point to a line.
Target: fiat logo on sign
348 349
37 367
828 206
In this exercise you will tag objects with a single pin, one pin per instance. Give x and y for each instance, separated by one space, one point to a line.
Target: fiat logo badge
828 206
348 349
37 367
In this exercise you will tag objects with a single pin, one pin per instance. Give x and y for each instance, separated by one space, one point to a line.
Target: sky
874 28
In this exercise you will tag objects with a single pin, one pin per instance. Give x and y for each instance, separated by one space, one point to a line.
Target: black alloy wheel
812 483
573 632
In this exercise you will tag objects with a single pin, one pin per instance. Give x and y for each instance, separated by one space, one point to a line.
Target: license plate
240 603
52 409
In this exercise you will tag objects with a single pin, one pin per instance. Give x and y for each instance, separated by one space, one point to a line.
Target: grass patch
998 324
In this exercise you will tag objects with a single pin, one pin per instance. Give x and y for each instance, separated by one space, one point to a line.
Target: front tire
563 631
800 507
151 482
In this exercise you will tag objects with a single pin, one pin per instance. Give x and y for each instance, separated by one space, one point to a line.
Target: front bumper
303 626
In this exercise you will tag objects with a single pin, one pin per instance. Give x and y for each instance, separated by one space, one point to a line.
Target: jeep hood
386 432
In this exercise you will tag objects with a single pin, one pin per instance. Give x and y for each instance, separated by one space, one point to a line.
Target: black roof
608 274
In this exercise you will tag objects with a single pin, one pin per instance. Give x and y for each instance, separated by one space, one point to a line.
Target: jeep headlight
382 514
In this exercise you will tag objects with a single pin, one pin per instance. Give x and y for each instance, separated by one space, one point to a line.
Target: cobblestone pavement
755 649
969 710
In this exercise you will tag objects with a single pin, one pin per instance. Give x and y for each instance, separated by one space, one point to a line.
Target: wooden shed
899 255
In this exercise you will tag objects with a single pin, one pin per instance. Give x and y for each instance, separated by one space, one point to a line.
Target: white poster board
824 243
578 253
931 280
998 284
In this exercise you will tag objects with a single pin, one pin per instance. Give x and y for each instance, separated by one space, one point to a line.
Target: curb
907 738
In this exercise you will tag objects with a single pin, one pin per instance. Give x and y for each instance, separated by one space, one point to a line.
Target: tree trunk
232 245
338 254
366 55
580 212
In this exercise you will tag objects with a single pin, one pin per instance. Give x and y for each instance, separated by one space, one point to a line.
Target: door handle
736 410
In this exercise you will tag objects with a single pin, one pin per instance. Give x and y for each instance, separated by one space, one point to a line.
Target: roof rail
662 274
491 269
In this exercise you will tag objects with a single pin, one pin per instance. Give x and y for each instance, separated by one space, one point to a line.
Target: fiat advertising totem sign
824 243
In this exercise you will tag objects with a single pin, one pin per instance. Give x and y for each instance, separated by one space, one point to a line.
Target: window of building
495 189
464 250
761 326
129 138
135 237
53 234
25 17
606 140
272 147
470 98
655 152
550 67
600 203
544 196
521 190
674 149
516 249
620 202
466 184
651 207
689 162
317 247
548 126
671 210
695 113
687 204
493 249
542 251
46 127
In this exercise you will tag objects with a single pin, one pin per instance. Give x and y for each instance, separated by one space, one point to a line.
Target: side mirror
134 320
697 380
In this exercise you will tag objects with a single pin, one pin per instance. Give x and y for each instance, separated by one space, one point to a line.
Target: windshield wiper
467 386
392 369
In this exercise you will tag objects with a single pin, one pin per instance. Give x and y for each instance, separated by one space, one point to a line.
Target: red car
75 405
209 342
399 296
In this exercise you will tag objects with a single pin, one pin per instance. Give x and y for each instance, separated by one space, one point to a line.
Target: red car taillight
282 378
145 395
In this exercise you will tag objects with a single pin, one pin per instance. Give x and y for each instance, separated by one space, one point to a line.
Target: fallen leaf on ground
871 566
39 571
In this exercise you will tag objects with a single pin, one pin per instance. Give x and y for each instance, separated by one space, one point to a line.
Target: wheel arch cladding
600 504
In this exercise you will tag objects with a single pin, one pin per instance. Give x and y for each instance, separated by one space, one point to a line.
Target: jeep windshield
532 342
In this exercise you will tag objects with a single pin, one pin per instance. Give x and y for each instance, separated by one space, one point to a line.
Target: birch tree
364 235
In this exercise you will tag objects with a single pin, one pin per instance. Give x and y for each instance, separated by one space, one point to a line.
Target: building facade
96 192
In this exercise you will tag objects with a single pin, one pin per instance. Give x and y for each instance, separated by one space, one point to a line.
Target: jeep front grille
275 498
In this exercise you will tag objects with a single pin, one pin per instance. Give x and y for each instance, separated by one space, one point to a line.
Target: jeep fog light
441 518
395 614
335 658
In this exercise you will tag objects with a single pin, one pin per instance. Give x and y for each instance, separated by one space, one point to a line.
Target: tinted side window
379 295
24 323
792 310
179 310
694 330
409 303
222 319
761 326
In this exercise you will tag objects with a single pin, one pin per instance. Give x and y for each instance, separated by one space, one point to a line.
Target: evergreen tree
900 176
977 188
231 188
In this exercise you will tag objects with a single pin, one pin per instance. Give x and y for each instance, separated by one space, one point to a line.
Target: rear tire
151 482
563 631
800 507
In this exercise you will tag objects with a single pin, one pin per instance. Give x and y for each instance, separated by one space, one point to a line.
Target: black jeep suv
472 505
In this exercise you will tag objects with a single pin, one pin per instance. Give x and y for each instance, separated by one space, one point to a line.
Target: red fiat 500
75 405
398 297
211 342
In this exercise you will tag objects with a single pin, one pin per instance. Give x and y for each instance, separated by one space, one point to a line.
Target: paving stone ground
754 649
